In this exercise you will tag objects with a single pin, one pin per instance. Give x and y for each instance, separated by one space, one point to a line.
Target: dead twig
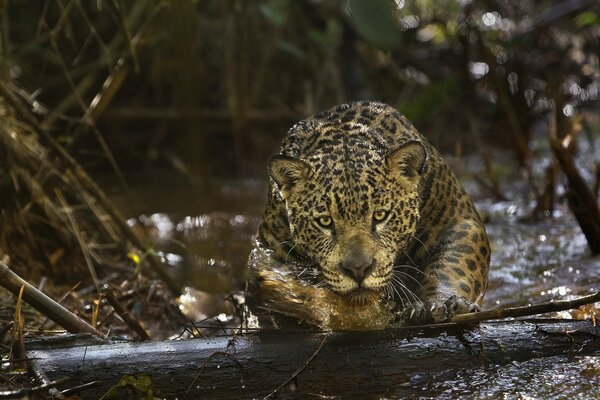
109 89
513 312
213 355
546 198
131 322
299 370
77 232
36 372
44 304
79 388
25 392
17 342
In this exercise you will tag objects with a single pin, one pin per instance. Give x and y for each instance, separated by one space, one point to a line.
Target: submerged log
339 363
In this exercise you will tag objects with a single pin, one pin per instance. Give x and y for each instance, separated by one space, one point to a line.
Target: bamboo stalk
44 304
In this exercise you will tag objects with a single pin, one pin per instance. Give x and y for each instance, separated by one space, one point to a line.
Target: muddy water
207 244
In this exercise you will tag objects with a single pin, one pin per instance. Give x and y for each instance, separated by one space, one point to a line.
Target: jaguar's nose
357 267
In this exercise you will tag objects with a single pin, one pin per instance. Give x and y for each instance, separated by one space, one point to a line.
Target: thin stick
79 388
131 322
213 355
24 392
581 200
36 372
299 370
44 304
77 233
17 343
501 313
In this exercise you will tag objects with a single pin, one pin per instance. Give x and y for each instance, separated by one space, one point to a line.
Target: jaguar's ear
287 171
408 160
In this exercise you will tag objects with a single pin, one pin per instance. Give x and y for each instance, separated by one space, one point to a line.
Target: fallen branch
76 389
347 364
44 304
206 361
526 311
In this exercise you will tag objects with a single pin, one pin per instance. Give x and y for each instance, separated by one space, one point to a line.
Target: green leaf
374 20
141 383
428 99
275 11
586 18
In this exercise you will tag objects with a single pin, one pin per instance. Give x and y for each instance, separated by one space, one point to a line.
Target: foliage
246 64
139 384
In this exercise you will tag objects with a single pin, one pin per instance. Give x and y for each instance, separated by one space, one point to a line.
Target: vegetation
205 89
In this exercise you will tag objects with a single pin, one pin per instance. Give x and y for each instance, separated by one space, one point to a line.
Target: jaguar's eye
325 221
380 215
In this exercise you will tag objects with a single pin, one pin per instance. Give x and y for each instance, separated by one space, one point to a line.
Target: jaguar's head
352 216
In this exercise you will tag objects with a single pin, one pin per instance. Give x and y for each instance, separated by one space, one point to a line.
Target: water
536 262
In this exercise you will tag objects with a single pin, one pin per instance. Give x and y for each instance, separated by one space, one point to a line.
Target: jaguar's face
352 220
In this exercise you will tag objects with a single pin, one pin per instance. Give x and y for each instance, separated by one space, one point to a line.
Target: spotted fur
364 203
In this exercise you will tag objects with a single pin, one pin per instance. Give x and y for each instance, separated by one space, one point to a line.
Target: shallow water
536 262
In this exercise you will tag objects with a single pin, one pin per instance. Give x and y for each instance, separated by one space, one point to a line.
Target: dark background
193 91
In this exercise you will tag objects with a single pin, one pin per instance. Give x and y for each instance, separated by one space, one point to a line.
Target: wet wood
348 363
43 303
